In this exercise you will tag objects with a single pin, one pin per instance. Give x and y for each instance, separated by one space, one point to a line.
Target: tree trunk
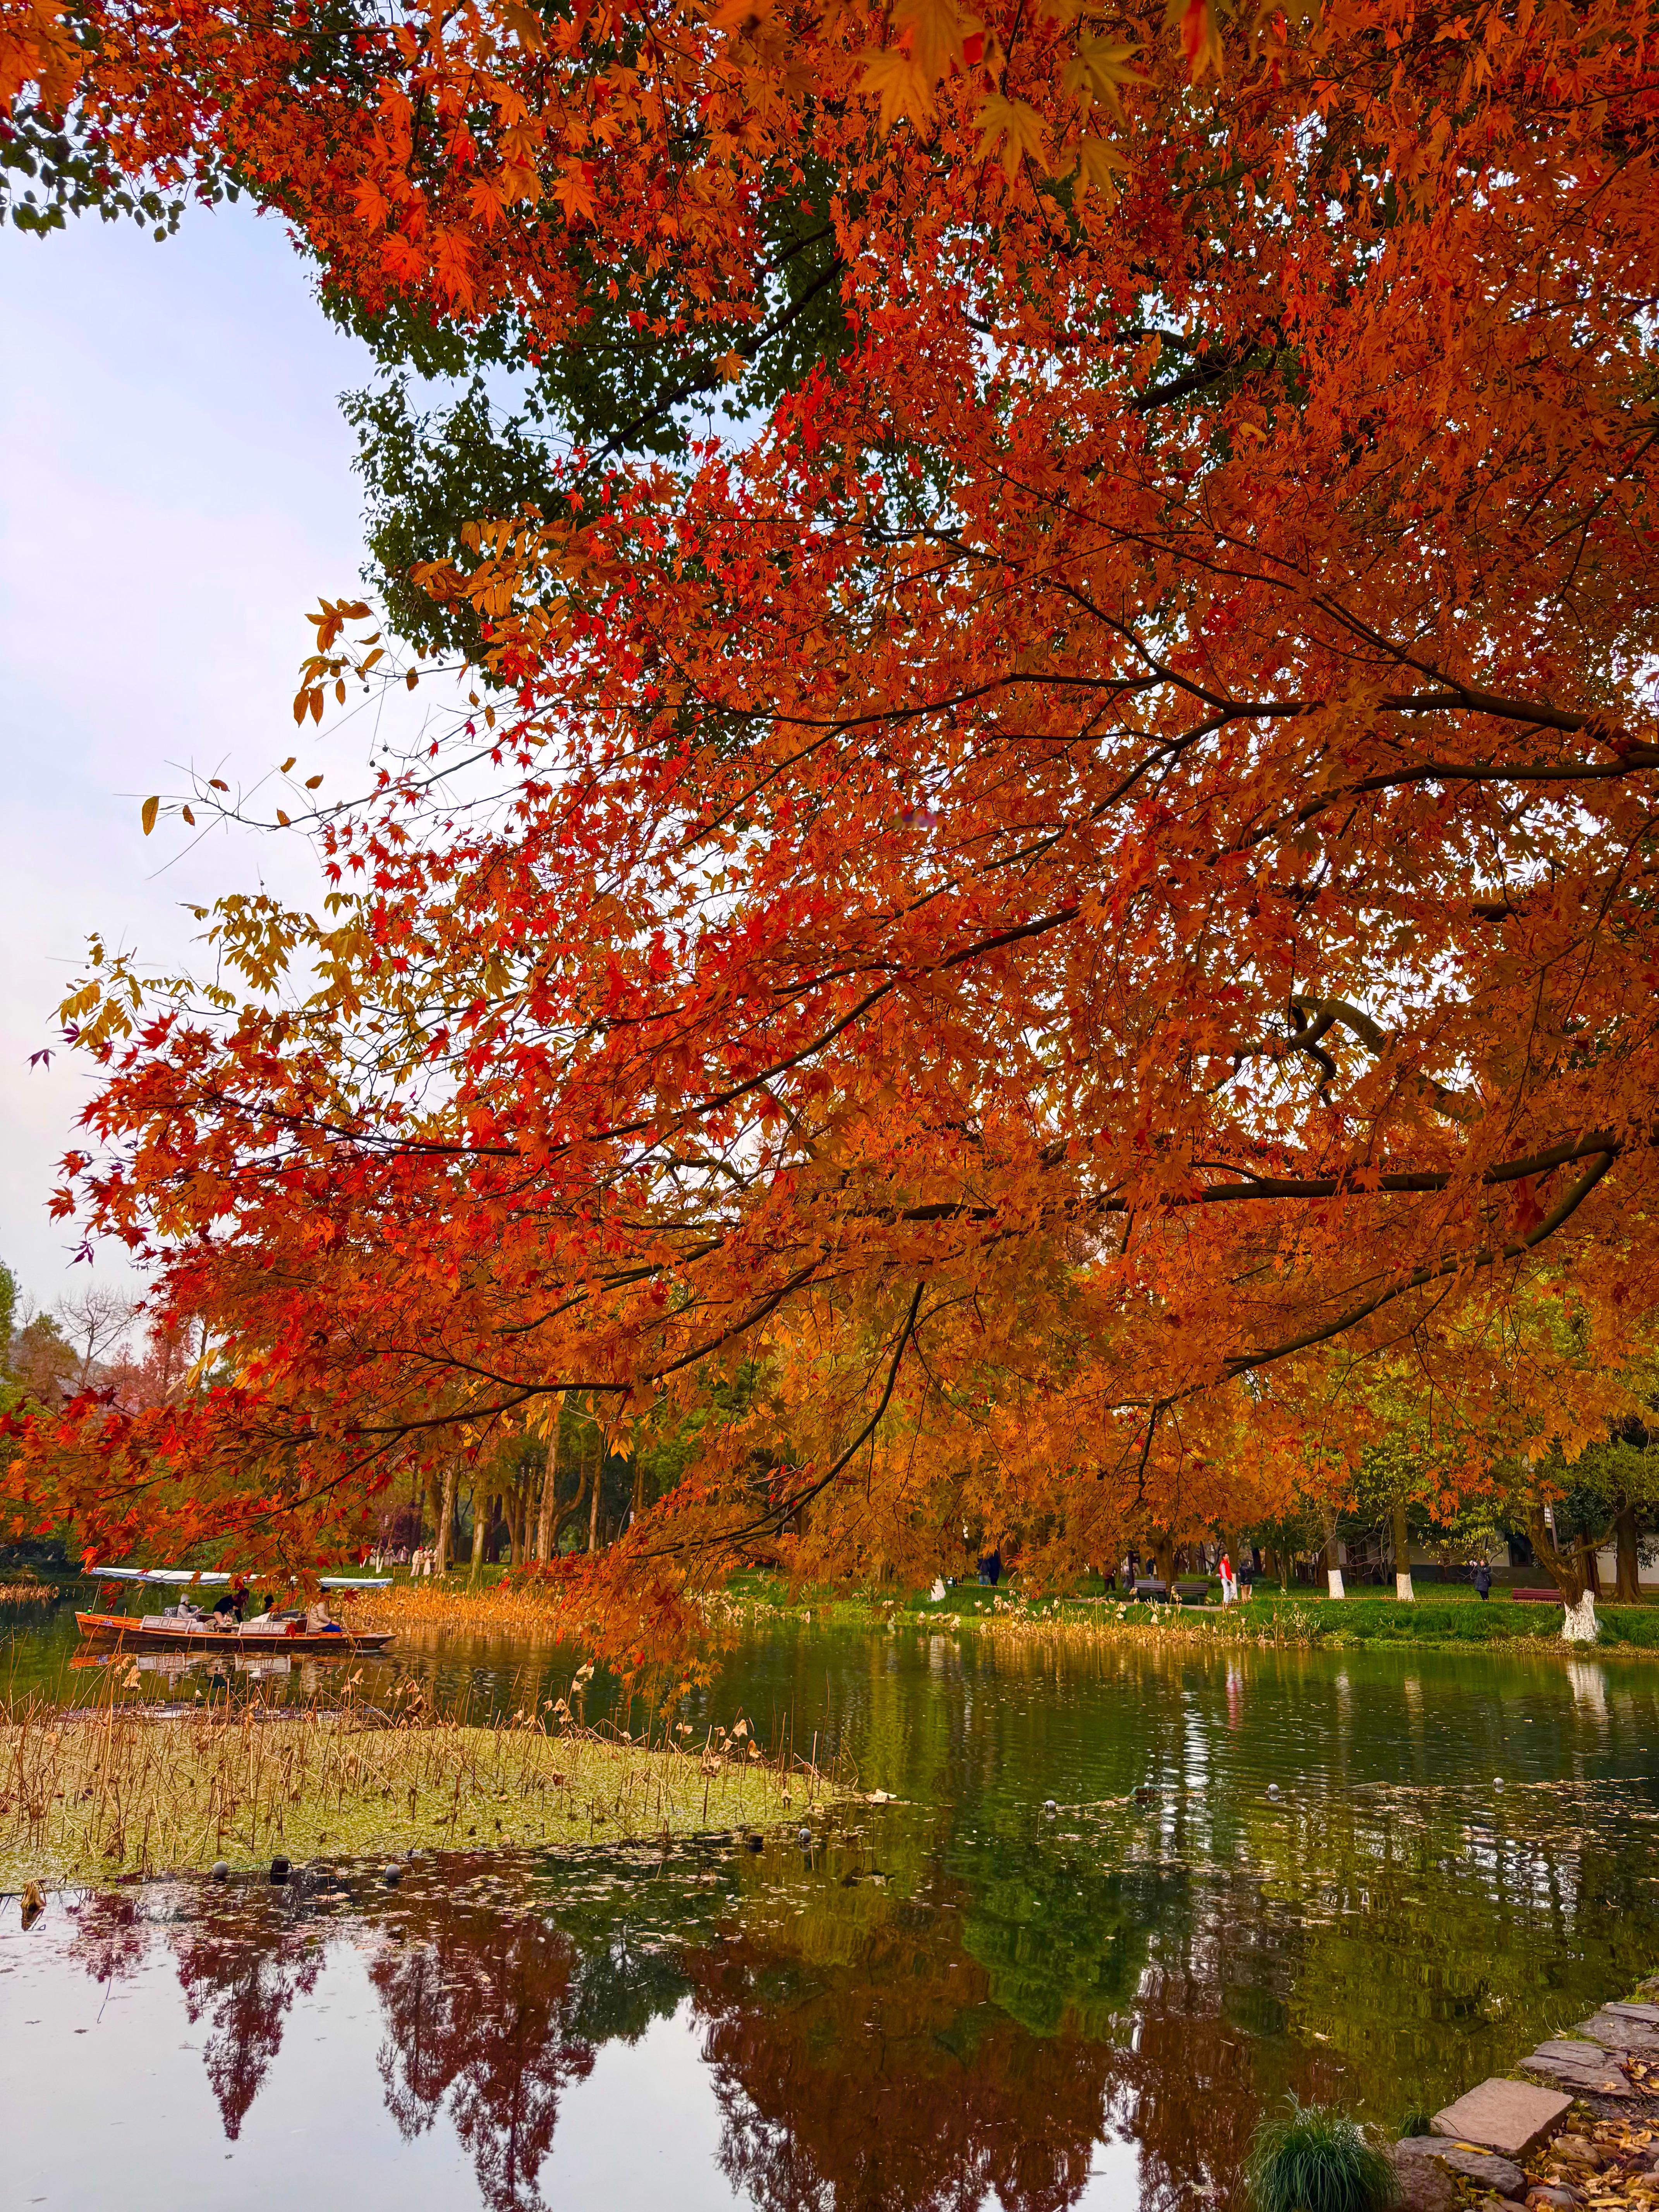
638 1505
478 1515
446 1518
599 1485
569 1516
1629 1585
1565 1569
1592 1563
1333 1572
549 1490
1402 1554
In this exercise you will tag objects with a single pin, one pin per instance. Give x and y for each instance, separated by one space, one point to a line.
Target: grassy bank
1445 1615
93 1796
1450 1615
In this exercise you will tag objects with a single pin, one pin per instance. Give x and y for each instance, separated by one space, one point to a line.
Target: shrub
1313 2159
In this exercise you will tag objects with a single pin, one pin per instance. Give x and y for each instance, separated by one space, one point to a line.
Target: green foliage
519 427
1312 2158
52 168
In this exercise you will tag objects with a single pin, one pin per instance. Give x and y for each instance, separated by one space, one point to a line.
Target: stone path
1610 2065
1608 2056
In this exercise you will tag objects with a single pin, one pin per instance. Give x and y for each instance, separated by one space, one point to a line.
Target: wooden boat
288 1642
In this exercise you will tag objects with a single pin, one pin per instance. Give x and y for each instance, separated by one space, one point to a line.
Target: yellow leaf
411 679
317 704
216 784
526 27
287 764
1101 68
901 88
188 816
281 817
745 16
301 700
933 32
1012 130
733 366
147 813
340 689
311 782
1099 165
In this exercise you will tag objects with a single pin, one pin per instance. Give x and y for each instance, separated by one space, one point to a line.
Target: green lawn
1442 1612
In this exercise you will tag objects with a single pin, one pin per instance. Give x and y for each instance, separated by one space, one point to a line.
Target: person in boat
229 1606
317 1622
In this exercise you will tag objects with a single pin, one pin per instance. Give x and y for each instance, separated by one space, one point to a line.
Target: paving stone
1646 2013
1510 2117
1579 2066
1501 2175
1425 2186
1614 2027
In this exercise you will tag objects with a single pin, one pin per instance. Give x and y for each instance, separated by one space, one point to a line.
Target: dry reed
519 1610
98 1792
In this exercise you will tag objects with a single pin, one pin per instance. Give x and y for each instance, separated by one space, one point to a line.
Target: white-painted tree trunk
1333 1577
1579 1626
1403 1590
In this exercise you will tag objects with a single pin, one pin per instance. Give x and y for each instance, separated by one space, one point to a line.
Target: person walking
1228 1592
1483 1581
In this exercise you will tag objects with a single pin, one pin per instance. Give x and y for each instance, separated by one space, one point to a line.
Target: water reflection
1376 1882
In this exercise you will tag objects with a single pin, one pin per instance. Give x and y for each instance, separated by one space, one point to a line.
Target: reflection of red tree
1193 2087
893 2085
1193 2092
473 1999
110 1940
246 1965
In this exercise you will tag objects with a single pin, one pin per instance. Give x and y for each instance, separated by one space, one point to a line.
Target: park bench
1193 1593
1537 1596
1149 1588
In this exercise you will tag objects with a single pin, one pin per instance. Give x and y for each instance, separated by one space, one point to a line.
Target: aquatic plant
99 1791
1312 2158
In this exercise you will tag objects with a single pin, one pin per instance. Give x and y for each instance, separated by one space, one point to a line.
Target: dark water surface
1373 1877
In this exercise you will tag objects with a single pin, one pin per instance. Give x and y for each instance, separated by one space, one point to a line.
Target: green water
1373 1877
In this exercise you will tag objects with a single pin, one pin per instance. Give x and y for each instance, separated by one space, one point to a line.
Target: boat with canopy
185 1626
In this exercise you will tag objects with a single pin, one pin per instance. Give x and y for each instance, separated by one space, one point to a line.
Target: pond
1372 1878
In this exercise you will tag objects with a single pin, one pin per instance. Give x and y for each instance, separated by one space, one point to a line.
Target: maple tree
1087 877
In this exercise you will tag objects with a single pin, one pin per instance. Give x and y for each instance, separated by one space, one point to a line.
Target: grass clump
1312 2158
93 1795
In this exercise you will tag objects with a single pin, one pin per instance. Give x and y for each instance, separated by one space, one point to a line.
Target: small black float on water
221 1870
280 1869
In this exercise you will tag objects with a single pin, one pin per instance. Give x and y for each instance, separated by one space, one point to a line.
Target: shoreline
1444 1617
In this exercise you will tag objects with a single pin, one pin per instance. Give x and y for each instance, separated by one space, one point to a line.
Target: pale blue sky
176 492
